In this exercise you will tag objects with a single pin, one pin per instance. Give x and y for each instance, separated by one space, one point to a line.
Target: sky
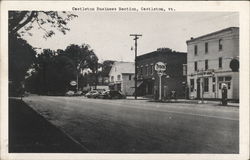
107 33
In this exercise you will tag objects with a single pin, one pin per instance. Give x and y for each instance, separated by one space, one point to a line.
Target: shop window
206 84
220 78
191 85
228 78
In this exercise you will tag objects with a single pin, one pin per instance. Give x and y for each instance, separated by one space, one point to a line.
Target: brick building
208 64
173 78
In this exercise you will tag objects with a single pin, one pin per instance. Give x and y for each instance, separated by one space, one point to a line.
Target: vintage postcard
125 80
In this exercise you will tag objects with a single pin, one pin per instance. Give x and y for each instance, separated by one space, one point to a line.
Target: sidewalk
213 102
31 133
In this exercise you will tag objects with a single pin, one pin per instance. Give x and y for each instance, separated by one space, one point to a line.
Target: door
198 89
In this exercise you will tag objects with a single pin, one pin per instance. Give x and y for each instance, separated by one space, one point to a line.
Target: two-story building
208 64
173 78
121 77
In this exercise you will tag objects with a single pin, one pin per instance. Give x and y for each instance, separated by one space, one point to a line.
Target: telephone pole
136 36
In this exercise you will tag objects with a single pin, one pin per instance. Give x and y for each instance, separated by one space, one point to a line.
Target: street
139 126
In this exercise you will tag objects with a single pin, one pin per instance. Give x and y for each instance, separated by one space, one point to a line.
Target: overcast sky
108 33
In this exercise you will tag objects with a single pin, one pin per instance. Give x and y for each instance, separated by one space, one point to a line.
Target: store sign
159 66
73 83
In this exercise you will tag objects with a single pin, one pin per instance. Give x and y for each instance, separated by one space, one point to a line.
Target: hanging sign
73 83
160 66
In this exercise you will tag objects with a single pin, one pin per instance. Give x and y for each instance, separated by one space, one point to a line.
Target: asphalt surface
130 126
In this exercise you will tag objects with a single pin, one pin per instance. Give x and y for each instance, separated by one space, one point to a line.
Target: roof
166 51
124 67
213 33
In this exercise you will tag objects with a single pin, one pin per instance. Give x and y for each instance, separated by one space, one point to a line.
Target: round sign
73 83
160 66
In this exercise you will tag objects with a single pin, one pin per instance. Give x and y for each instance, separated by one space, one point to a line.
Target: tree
53 73
21 54
55 69
21 57
83 58
21 22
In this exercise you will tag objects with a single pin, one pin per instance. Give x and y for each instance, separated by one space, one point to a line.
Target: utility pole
136 36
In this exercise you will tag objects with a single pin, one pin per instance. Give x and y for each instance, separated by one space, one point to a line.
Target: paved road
130 126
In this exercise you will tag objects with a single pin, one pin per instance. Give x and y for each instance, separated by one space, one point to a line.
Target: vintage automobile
112 95
92 94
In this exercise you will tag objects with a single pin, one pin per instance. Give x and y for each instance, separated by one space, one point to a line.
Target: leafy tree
21 57
55 69
83 58
21 22
21 54
53 73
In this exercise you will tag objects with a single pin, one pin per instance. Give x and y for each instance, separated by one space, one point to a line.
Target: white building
208 64
121 77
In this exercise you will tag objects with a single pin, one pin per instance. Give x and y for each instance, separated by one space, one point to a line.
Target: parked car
69 93
78 93
112 95
92 94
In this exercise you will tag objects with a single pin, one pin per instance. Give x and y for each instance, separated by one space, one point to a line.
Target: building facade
173 78
208 64
121 77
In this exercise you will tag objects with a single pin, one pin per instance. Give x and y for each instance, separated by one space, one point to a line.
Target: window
129 77
195 66
184 69
141 70
191 85
206 47
112 78
206 83
138 70
220 62
118 77
213 79
195 50
213 87
220 78
152 69
228 78
220 44
146 67
206 64
228 85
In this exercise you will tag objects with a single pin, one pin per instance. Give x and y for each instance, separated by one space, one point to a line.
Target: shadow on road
31 133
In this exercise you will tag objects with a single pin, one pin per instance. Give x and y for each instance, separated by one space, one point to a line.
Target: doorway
198 89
